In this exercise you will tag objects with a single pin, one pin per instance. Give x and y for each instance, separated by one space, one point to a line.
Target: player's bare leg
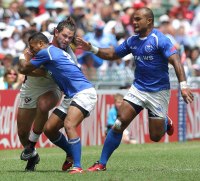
46 102
51 130
25 120
156 129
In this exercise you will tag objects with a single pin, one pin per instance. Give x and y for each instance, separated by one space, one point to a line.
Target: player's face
64 38
140 22
118 102
35 46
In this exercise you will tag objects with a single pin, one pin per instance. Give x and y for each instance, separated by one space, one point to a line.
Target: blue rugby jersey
151 55
62 68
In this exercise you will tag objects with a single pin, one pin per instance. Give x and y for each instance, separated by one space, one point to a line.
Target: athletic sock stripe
37 132
59 137
73 142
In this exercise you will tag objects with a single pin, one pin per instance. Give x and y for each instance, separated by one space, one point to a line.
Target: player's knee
69 126
43 107
48 129
156 137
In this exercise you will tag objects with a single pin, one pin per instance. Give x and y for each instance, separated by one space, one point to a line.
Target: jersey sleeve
41 58
123 49
166 47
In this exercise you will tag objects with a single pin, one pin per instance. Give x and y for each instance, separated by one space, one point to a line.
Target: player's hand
27 53
187 95
82 44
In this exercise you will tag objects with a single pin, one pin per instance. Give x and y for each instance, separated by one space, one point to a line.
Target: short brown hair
118 96
8 57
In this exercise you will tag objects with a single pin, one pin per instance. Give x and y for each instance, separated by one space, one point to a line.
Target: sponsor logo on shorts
159 108
130 95
27 99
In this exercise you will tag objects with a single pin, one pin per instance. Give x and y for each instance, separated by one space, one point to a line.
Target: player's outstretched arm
185 90
104 53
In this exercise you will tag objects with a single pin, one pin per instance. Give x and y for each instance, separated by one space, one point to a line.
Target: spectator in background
195 60
22 43
100 39
196 22
33 7
79 15
104 15
2 69
181 36
88 68
20 80
6 48
62 11
1 10
167 29
117 8
12 11
8 61
112 116
127 6
23 23
184 7
9 78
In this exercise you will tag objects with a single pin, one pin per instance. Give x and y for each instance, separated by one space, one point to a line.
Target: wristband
183 85
93 49
22 56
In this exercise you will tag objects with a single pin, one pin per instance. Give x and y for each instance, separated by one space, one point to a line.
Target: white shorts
29 97
156 102
86 99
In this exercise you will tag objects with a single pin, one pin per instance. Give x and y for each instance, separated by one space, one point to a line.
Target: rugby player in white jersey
39 95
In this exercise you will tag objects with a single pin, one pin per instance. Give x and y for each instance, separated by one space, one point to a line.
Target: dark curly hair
70 24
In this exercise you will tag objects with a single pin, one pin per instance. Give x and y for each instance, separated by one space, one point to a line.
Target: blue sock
112 142
76 151
165 124
61 142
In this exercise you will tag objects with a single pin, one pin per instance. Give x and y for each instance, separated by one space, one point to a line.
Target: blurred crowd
104 23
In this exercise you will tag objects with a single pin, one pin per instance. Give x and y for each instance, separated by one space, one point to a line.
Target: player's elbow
22 70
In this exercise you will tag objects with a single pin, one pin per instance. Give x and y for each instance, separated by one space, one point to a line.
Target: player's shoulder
160 38
130 40
133 37
158 34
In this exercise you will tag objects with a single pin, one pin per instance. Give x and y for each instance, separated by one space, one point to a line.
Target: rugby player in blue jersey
80 95
44 95
152 52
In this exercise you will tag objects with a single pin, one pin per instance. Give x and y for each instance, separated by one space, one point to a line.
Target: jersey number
68 57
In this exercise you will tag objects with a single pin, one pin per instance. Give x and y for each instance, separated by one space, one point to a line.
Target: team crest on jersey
159 108
27 99
148 48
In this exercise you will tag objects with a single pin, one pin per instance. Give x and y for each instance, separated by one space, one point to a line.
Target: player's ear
41 43
150 20
55 32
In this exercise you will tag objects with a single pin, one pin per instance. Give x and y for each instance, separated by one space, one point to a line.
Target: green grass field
153 161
